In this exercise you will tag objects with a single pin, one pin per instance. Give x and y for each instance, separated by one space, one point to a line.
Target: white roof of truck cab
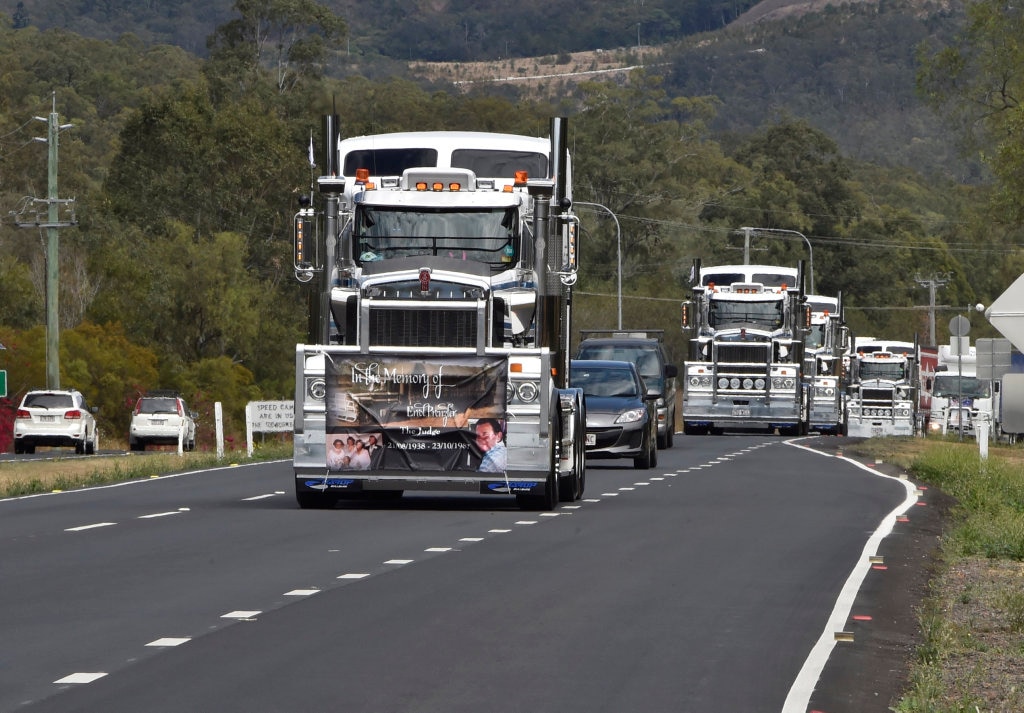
768 275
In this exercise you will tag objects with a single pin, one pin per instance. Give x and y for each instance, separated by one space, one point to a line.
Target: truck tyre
571 489
314 501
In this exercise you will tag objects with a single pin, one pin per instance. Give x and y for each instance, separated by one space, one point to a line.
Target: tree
286 37
978 82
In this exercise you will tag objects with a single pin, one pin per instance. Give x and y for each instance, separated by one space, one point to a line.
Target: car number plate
591 439
740 411
158 421
47 419
877 432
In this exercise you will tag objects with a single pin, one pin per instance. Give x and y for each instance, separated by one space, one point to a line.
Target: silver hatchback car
58 417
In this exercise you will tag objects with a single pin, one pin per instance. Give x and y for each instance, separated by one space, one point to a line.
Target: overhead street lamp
810 250
618 242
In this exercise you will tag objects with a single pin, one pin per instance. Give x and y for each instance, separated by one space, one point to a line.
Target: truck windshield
970 386
889 371
723 314
483 235
815 336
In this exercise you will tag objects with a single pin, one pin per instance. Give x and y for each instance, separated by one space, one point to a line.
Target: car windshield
644 358
49 401
158 405
601 382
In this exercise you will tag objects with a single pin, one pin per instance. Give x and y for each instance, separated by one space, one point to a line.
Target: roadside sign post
3 383
268 417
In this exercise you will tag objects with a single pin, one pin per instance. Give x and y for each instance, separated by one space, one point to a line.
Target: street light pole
810 250
618 242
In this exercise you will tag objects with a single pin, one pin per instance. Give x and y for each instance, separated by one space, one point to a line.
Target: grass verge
29 477
971 656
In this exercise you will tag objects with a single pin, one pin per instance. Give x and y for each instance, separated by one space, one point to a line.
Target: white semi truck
959 398
440 266
745 367
825 343
882 397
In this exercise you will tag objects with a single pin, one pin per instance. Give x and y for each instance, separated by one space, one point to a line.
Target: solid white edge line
803 686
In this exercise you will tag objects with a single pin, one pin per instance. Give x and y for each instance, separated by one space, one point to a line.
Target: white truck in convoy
440 266
745 367
825 343
882 397
959 398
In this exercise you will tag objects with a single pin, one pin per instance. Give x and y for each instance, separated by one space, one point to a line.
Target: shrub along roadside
972 624
31 477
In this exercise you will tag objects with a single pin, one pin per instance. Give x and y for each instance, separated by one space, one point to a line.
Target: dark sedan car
621 417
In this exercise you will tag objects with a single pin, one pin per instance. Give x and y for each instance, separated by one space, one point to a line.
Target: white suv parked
58 417
158 419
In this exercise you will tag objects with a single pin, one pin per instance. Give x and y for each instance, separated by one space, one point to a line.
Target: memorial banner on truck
415 414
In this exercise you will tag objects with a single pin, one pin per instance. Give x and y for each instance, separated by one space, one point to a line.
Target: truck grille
877 397
422 328
743 353
743 359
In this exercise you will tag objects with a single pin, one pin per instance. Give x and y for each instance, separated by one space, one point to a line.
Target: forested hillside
186 171
436 31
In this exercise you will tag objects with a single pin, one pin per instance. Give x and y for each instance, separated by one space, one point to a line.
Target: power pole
25 217
932 283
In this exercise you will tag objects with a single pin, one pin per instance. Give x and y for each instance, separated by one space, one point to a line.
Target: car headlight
631 416
734 383
759 384
723 383
528 392
748 383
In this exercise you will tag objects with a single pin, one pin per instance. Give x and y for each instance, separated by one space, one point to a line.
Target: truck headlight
316 388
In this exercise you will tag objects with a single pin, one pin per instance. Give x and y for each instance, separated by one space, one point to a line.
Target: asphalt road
709 583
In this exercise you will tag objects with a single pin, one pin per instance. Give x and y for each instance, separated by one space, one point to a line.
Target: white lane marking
398 561
498 532
626 488
570 507
438 549
355 575
80 528
81 678
642 483
799 695
554 514
301 592
260 497
608 495
160 514
241 614
526 522
170 641
658 478
471 539
592 500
